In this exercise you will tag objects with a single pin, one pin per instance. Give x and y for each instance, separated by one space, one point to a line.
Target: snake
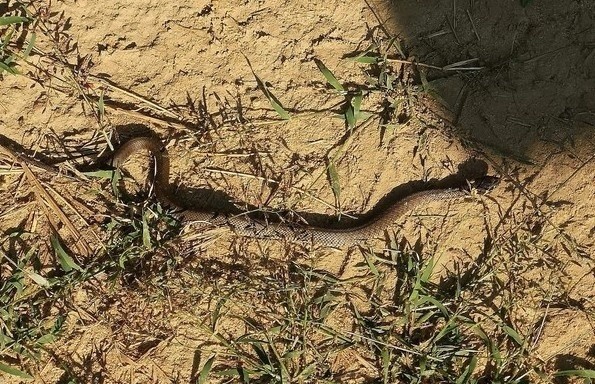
244 225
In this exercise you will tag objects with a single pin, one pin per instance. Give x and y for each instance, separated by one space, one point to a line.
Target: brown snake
243 225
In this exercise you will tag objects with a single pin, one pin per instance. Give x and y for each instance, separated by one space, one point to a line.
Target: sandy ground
529 118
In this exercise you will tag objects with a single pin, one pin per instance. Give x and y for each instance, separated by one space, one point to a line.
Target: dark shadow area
565 362
92 368
220 203
535 88
8 9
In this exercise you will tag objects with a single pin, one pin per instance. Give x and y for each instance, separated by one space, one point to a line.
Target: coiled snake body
244 225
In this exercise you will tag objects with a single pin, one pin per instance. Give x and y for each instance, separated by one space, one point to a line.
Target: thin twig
473 25
450 67
271 181
44 198
133 95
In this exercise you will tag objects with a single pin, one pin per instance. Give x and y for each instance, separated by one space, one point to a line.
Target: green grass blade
353 114
356 102
216 313
7 38
101 174
385 364
46 339
368 56
350 117
427 271
436 303
8 68
6 20
371 266
513 334
495 353
328 75
15 372
366 59
275 103
245 375
397 44
430 90
307 371
30 46
116 177
468 372
38 279
333 176
585 373
66 262
260 352
206 369
228 372
146 233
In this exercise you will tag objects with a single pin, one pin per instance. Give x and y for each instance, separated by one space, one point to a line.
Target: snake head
484 184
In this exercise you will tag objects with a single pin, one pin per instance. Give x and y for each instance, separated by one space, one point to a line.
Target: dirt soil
185 71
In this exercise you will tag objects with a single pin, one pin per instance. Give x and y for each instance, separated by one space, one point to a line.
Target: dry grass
395 318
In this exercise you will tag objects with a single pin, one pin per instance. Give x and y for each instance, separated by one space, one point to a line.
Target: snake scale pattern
244 225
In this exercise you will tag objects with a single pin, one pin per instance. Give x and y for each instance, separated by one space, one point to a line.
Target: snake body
244 225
